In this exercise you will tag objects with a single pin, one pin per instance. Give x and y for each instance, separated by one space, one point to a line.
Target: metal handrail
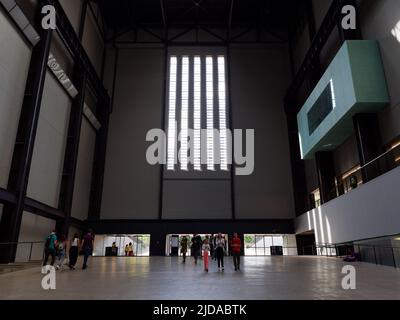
25 242
269 247
379 157
17 244
359 246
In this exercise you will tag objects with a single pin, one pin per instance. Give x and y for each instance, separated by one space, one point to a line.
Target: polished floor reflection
167 278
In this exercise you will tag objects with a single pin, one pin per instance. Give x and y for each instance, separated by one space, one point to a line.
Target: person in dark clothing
220 251
197 244
184 247
73 251
50 248
87 247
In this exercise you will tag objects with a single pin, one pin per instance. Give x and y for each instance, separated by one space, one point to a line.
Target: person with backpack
87 247
50 248
61 251
73 251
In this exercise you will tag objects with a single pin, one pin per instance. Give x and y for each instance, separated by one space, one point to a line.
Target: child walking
206 251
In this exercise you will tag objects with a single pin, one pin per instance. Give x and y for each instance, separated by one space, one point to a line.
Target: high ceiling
231 14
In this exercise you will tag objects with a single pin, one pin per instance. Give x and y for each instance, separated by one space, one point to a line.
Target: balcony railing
363 174
379 255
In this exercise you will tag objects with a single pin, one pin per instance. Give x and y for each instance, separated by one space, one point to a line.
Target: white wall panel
83 178
370 211
48 154
34 228
14 65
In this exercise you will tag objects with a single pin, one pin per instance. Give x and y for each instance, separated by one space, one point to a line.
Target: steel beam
96 191
72 149
43 210
83 19
23 149
6 196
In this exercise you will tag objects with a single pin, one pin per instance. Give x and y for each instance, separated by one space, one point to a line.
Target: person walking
87 247
50 248
236 248
184 247
196 244
61 252
214 254
211 243
220 251
206 253
126 250
73 251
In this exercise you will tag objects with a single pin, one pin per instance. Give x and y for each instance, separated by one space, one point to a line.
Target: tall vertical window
173 69
222 113
197 113
185 113
197 96
210 112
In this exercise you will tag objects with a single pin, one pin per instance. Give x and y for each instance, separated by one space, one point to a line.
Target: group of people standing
129 250
214 247
61 248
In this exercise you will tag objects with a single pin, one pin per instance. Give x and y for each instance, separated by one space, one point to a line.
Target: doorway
173 247
103 245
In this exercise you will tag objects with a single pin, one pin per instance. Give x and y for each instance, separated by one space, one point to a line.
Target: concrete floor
159 278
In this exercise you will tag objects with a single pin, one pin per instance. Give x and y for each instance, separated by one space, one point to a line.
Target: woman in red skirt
206 254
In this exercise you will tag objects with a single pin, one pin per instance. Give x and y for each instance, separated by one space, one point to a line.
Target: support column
297 164
326 175
82 20
24 145
315 71
71 152
232 128
369 143
96 191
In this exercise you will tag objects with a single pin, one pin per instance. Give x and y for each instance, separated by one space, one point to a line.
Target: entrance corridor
167 278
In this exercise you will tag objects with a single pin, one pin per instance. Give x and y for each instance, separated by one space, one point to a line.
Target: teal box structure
354 83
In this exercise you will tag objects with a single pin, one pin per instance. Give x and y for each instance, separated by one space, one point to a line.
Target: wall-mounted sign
62 76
